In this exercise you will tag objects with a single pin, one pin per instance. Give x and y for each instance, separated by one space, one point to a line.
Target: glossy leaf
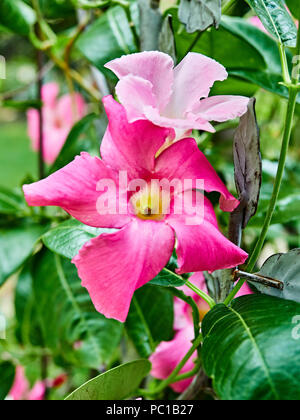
7 375
17 16
12 202
294 7
69 237
109 37
115 384
198 15
28 328
80 139
276 19
250 349
16 245
150 318
247 162
75 332
285 268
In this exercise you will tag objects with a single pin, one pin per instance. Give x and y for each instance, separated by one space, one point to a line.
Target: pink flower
59 116
151 88
112 266
21 389
170 353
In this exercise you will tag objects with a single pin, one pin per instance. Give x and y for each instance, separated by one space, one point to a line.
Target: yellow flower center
151 203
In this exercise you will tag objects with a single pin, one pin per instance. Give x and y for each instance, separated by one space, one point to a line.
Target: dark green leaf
28 328
250 349
198 15
79 140
294 7
109 37
74 331
276 19
69 237
7 375
12 202
150 318
248 164
17 16
16 245
116 384
285 268
167 278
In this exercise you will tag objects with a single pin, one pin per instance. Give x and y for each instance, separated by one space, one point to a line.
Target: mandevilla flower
112 266
59 116
151 88
169 353
21 389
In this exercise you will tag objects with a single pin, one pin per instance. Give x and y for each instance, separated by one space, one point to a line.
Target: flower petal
113 266
170 353
193 79
190 122
201 246
65 110
222 108
130 147
74 188
49 94
184 161
154 66
134 94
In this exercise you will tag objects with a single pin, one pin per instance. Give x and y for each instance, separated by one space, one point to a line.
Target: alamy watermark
2 327
153 199
296 330
2 67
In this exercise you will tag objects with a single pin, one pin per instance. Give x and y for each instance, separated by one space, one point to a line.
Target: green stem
202 294
285 68
173 377
293 92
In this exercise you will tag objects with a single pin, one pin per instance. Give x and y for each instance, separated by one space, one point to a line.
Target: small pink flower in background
59 116
170 353
112 266
151 88
21 388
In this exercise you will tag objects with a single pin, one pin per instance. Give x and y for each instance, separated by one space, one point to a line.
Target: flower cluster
158 105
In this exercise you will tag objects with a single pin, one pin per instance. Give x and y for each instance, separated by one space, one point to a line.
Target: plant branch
202 294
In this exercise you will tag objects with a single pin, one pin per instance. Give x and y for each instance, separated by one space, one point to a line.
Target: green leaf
69 237
287 210
116 384
150 319
12 202
109 37
16 245
285 268
75 332
250 349
80 139
28 329
294 7
7 375
276 19
198 15
17 16
167 278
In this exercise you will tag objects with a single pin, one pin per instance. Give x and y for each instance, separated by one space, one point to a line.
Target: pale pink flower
170 353
59 116
151 88
21 388
112 266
